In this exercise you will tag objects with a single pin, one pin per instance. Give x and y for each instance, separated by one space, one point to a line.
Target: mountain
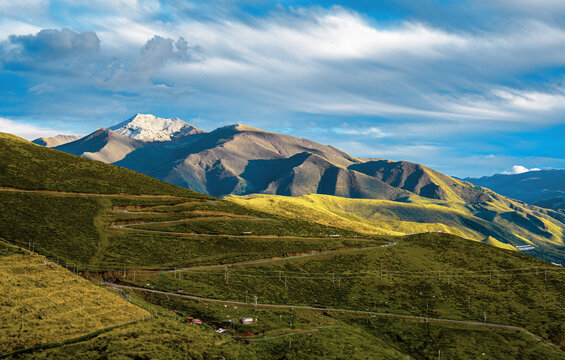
55 140
545 188
146 127
240 160
318 292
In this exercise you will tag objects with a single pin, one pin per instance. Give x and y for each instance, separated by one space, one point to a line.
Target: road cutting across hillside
348 311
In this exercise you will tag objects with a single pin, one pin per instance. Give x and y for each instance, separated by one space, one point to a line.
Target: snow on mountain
146 127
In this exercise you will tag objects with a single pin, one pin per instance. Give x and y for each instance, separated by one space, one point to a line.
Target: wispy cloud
443 74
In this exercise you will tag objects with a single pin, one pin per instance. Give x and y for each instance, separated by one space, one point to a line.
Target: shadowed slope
544 188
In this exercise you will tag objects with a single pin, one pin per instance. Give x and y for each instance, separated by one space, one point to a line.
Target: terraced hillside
317 291
501 222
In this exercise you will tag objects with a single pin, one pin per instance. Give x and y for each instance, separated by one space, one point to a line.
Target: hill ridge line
10 189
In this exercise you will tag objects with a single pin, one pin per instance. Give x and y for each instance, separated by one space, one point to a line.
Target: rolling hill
501 222
318 291
405 197
45 303
544 188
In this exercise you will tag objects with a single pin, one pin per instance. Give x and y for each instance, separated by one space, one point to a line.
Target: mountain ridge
55 140
241 160
544 188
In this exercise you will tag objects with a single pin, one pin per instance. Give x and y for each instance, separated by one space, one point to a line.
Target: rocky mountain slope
55 140
239 159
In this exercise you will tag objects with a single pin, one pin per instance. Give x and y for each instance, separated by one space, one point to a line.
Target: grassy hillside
456 278
423 275
28 166
42 302
501 222
224 252
78 227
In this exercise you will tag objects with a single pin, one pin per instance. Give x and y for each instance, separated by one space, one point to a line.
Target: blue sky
469 88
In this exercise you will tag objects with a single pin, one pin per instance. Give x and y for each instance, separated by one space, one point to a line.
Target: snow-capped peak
146 127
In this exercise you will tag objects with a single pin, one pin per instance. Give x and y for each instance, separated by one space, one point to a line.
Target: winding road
348 311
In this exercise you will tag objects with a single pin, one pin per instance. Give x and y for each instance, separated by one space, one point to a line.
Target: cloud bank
404 80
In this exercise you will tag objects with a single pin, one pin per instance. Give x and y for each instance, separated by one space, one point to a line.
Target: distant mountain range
545 188
240 160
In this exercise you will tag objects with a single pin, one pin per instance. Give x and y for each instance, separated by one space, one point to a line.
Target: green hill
28 166
323 290
499 221
42 302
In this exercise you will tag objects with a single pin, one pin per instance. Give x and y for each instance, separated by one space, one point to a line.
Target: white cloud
372 131
25 130
518 169
42 88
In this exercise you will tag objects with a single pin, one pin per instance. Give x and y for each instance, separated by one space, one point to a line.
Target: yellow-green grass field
503 223
43 302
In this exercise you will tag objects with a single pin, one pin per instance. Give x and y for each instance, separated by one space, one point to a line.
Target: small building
197 321
248 320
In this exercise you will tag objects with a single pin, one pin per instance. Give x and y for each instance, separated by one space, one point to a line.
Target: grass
161 250
296 334
76 230
257 226
420 274
42 302
28 166
57 226
510 222
457 278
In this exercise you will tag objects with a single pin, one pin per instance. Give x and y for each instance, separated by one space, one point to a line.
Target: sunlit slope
508 223
43 302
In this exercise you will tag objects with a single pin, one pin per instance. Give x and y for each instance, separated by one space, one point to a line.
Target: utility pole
255 300
439 355
485 316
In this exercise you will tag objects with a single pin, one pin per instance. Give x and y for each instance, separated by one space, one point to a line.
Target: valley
316 290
